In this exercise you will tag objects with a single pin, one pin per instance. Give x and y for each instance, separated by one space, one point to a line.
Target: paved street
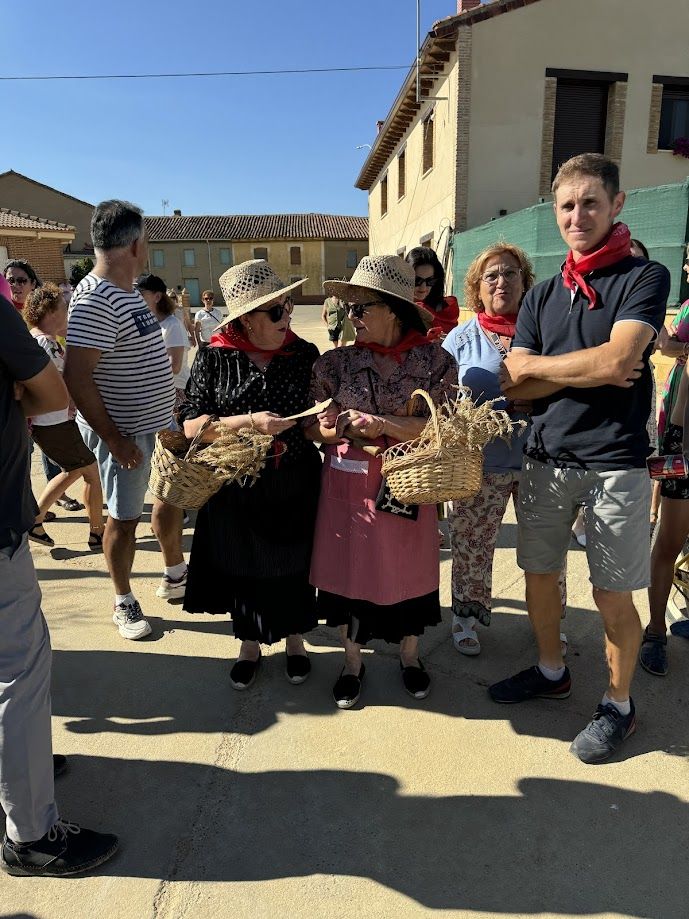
272 803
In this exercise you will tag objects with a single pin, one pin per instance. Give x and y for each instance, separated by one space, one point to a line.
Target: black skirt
251 553
366 621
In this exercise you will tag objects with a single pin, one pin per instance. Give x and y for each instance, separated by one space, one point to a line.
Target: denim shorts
616 515
124 489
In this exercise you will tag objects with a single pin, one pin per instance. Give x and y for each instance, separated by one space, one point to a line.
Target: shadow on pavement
135 692
545 849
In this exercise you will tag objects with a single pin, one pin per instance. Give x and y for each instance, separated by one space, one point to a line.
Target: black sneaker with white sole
604 734
65 849
531 684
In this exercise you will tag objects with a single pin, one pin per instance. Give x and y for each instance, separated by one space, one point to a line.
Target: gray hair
116 224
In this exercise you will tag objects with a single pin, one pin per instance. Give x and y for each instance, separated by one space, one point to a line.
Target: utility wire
210 73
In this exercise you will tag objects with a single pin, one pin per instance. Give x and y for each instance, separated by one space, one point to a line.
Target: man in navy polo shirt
581 352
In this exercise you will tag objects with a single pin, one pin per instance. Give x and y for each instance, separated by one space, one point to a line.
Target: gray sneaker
604 734
130 621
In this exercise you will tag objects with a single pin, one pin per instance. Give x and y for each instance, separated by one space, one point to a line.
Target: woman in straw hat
376 571
252 546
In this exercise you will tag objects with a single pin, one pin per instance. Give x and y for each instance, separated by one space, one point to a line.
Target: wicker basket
175 479
424 471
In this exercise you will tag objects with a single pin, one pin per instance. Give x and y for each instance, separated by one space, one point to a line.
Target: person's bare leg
672 533
119 547
249 651
352 653
93 497
167 524
295 645
409 651
54 490
544 604
655 502
622 639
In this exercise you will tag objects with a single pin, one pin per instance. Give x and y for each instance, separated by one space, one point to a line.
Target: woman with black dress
251 551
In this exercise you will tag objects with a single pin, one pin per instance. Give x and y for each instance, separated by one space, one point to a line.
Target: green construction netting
657 216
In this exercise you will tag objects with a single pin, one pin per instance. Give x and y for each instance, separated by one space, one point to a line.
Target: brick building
505 96
41 242
194 251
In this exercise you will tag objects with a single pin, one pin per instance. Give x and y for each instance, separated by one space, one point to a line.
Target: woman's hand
270 423
328 417
361 424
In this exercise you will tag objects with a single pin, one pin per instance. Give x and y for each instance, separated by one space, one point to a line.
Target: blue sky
248 144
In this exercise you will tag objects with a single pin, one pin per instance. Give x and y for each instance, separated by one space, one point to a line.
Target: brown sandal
95 541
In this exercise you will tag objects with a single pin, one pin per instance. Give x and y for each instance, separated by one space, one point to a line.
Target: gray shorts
616 514
124 489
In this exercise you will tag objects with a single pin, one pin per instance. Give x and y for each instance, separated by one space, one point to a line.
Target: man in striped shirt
119 375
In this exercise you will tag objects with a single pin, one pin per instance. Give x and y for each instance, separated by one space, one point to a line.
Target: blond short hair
472 279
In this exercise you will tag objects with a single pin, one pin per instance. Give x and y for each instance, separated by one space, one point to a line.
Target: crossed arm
617 362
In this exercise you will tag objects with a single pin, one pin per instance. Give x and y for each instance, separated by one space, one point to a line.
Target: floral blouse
347 375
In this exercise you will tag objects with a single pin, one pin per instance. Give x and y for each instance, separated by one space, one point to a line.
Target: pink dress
365 558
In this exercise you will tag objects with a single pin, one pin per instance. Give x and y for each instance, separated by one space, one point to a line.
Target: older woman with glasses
375 562
494 287
252 546
429 291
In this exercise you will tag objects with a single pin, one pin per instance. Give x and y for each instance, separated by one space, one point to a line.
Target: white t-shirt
208 321
56 353
133 375
175 336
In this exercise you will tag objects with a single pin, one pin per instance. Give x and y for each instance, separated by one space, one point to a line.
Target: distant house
41 242
194 251
510 89
19 192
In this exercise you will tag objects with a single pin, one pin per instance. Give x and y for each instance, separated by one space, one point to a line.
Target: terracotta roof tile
16 220
236 227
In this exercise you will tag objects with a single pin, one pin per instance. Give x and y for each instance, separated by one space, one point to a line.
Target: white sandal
563 644
464 634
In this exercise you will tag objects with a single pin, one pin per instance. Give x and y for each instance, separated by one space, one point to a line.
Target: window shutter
580 118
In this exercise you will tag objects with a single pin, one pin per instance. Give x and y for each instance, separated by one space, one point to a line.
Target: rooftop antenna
165 202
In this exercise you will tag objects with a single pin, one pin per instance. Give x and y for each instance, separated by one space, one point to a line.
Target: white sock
124 598
624 708
552 674
175 572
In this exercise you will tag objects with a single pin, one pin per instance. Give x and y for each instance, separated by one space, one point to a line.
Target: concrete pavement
273 803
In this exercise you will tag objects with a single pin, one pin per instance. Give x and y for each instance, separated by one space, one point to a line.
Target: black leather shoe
244 673
297 668
416 681
65 849
59 764
347 690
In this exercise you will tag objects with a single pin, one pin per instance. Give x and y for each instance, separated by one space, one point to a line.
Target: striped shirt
133 375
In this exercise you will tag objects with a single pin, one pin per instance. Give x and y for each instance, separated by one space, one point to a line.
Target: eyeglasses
511 275
276 312
359 310
207 299
424 282
17 280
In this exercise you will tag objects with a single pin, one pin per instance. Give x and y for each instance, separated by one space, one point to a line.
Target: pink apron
366 554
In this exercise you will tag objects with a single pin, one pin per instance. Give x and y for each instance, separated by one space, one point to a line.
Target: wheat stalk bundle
236 456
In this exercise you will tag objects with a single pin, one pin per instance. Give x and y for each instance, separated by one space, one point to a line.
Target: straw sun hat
381 274
249 285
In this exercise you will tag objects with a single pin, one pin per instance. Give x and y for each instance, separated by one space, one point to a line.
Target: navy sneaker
531 684
604 734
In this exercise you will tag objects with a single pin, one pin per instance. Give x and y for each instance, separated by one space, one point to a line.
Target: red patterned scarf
501 325
411 340
236 341
615 247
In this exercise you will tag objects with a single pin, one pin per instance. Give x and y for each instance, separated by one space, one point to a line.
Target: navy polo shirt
604 427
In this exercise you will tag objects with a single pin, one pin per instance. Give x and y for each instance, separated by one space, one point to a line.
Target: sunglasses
359 310
277 311
424 282
17 280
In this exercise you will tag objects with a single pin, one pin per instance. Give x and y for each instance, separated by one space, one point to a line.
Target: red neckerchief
228 338
444 319
411 340
501 325
615 247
